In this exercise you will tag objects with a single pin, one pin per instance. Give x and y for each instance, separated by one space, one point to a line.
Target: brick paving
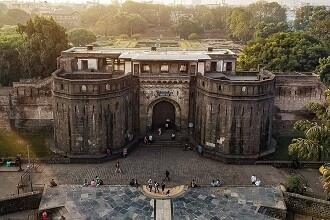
151 162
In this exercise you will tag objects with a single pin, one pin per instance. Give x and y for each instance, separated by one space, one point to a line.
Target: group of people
148 139
134 183
255 180
156 185
216 183
94 182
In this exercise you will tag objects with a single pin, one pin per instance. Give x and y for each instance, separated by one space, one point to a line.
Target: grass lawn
13 142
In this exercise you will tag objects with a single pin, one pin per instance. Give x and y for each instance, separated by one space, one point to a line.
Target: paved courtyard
151 162
123 202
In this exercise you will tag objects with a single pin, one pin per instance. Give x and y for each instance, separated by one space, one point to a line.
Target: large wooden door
162 112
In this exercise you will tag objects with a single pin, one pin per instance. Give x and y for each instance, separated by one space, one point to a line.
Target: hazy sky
229 2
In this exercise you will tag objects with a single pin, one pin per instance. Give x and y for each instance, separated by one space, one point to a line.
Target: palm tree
316 142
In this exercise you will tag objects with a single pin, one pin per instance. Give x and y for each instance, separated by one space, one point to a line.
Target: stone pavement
151 162
120 202
104 202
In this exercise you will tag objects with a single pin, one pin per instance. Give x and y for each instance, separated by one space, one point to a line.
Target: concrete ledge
16 203
174 192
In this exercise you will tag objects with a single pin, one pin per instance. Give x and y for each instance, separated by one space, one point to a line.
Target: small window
62 86
107 87
84 64
164 68
83 88
183 68
229 66
219 88
203 83
145 68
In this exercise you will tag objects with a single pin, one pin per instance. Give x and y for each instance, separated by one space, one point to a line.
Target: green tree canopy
323 70
308 14
316 142
81 37
293 51
44 40
186 26
320 29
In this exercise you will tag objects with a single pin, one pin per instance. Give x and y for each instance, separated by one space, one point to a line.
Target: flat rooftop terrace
161 50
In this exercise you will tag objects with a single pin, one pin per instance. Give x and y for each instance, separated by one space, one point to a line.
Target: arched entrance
163 112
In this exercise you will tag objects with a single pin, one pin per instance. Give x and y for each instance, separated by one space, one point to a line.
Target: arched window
107 87
83 88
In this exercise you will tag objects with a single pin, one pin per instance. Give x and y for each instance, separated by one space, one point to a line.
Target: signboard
163 93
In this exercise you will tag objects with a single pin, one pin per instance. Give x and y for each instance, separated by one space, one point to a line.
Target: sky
229 2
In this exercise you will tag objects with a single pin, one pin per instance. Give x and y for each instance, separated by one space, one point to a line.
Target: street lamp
28 150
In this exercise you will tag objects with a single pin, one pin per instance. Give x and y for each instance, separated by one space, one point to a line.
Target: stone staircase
164 140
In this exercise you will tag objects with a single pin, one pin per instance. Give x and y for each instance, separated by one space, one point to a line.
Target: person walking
150 184
156 187
163 187
167 175
118 169
159 131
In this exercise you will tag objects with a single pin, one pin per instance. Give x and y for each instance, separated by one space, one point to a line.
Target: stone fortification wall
16 203
292 93
234 117
93 115
307 205
5 107
31 105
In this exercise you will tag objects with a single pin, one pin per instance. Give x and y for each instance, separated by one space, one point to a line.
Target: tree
10 67
81 37
264 30
326 183
309 14
239 25
293 51
320 29
44 40
267 12
185 26
316 142
323 70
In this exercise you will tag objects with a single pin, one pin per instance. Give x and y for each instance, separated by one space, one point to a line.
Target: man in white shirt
253 179
258 182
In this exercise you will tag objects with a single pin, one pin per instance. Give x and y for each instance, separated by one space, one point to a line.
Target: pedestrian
156 186
163 187
159 131
150 139
93 183
258 182
118 169
53 183
85 182
150 184
145 140
193 184
125 152
253 179
173 136
44 215
167 175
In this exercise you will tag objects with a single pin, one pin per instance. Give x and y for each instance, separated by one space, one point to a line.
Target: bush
294 184
193 36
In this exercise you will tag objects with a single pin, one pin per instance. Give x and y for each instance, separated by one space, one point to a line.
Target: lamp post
28 150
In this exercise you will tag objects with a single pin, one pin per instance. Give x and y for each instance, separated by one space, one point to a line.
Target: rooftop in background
152 53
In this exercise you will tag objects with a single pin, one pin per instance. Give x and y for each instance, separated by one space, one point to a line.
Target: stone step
163 209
